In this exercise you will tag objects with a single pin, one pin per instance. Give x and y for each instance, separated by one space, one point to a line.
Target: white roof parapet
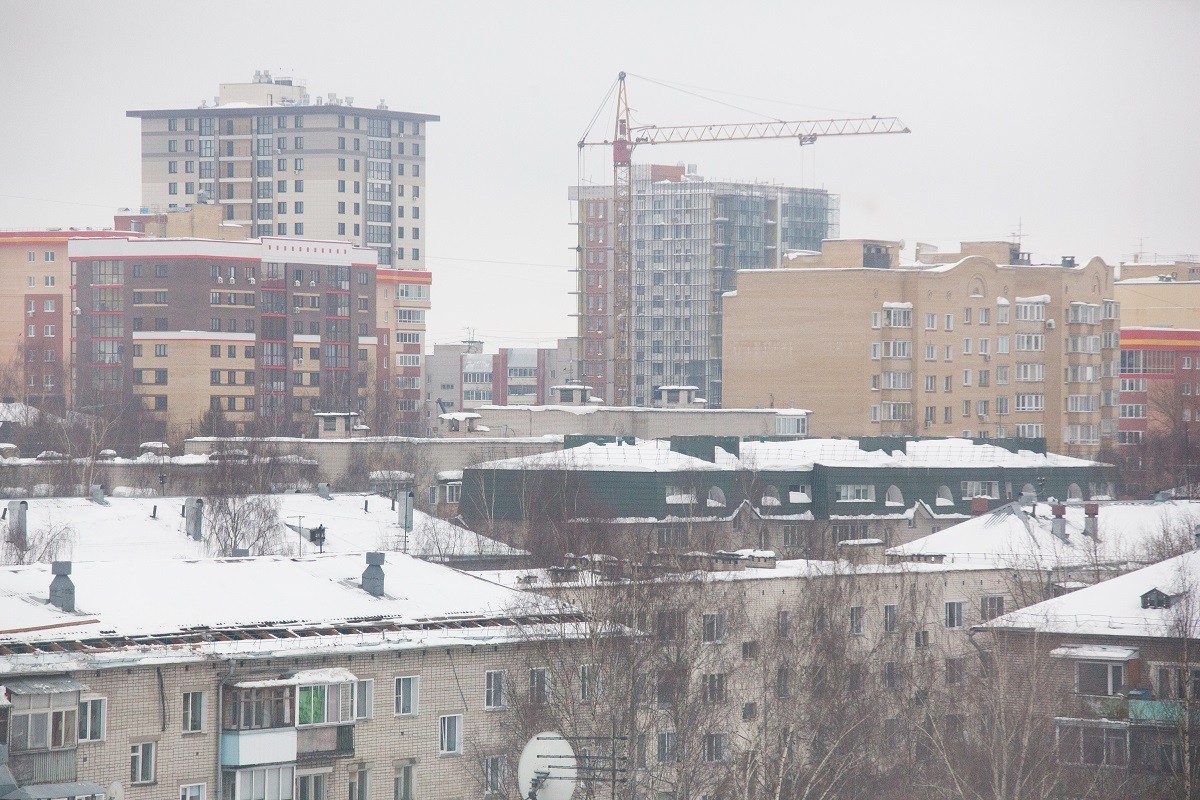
1095 652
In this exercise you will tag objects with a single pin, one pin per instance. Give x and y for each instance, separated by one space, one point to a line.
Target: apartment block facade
281 163
258 333
965 346
35 316
690 237
1160 383
360 694
463 377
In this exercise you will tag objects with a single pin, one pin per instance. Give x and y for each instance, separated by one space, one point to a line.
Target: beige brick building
979 343
403 689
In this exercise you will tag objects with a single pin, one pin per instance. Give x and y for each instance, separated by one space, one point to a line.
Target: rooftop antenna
547 769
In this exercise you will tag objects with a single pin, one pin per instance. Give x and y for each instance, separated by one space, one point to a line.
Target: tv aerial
547 769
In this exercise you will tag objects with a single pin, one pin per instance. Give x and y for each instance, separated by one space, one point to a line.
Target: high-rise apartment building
35 323
283 163
979 343
690 237
253 335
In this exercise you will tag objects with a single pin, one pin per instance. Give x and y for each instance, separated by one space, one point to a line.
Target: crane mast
626 137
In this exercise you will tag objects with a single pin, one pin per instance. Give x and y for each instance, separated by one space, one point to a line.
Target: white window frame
192 791
409 706
450 738
189 720
494 696
141 762
85 718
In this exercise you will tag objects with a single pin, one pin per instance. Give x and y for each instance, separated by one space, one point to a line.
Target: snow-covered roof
802 454
1128 531
653 456
274 591
124 530
1114 607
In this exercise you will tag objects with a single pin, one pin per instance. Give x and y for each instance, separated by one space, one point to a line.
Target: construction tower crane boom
626 137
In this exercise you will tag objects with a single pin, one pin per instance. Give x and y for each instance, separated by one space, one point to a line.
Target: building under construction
690 236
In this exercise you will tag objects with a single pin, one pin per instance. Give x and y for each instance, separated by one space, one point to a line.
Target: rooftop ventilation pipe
323 490
18 532
97 494
1091 520
62 589
193 517
1058 525
372 577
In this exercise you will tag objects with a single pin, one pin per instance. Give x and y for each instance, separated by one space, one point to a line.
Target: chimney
62 590
1058 525
372 577
193 517
1091 520
979 505
17 526
323 490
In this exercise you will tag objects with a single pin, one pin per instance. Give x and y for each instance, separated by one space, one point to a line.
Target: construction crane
627 137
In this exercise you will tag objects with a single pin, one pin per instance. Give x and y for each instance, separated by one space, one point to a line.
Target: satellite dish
547 769
116 791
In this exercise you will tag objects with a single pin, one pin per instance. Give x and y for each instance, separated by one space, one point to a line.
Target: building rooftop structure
156 528
1107 535
1120 607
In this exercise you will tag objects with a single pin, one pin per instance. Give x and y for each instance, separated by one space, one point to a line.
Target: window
141 763
450 734
364 695
713 684
1099 677
931 322
921 640
91 720
954 613
713 748
783 623
408 696
666 747
493 775
402 784
493 691
589 682
891 616
308 787
956 671
160 351
980 489
991 607
1030 402
539 686
855 493
856 620
1095 745
193 712
714 627
44 722
191 791
1031 311
321 704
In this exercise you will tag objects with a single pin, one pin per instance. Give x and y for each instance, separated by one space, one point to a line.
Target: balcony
43 766
259 746
1102 707
1160 712
325 741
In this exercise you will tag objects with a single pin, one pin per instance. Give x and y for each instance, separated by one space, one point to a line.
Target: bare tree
43 545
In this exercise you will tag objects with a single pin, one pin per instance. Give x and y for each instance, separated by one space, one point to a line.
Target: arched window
770 497
894 496
716 497
1074 492
944 497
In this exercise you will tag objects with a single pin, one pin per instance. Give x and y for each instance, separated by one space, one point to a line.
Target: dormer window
1156 598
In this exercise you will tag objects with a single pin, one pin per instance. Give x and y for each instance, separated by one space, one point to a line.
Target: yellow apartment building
979 343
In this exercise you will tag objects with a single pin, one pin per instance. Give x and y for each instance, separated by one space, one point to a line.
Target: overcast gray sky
1077 120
